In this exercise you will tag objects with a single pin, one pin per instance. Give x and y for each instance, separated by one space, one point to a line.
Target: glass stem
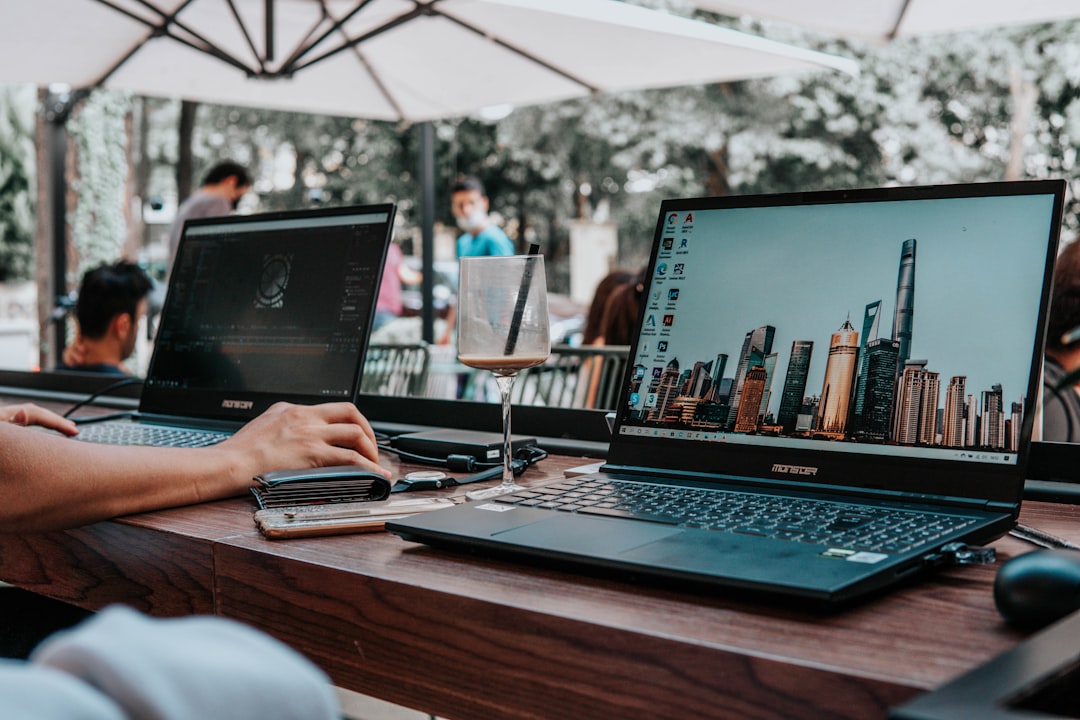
505 383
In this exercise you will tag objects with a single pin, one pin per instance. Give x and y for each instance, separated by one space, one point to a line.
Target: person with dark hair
610 321
112 299
594 327
480 236
1061 406
220 192
621 312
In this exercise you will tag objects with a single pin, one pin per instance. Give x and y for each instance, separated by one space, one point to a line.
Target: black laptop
259 308
824 391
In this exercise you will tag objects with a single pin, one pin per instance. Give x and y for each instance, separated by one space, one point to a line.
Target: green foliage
99 136
17 191
928 110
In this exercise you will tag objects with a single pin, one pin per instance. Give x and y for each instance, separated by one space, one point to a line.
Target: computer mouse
1037 588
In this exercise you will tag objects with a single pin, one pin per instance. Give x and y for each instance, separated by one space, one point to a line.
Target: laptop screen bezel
244 405
914 477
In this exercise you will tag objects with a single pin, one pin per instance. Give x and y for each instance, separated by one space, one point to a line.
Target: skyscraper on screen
871 316
756 345
881 358
753 390
952 429
839 380
791 397
904 312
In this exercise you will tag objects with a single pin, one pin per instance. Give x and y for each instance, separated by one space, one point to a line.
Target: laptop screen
870 326
267 307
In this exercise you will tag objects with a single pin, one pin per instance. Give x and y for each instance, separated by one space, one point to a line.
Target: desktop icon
673 294
661 269
661 347
669 243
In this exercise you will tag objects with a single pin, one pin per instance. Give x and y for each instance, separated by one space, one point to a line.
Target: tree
99 223
17 182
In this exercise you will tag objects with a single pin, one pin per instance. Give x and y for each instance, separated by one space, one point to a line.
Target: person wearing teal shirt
489 241
469 204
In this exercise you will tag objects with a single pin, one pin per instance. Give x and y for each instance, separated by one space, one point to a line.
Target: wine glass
502 316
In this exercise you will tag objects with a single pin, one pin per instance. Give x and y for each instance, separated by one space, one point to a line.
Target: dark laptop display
262 308
876 350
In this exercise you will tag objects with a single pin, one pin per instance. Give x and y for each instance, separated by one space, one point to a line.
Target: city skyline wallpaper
747 283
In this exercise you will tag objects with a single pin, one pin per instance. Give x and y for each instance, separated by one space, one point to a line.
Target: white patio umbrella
879 21
408 60
379 59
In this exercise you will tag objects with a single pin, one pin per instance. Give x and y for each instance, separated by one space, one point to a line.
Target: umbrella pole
57 111
427 225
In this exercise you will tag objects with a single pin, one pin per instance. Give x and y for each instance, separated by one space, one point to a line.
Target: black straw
522 298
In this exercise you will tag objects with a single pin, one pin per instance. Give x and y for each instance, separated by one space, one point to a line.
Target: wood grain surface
463 636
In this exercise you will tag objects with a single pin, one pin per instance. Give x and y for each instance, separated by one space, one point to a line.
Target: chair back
573 377
396 369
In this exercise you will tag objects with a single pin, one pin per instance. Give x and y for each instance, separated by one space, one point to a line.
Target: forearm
49 482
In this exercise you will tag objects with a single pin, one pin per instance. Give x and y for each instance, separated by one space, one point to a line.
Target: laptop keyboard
125 433
819 522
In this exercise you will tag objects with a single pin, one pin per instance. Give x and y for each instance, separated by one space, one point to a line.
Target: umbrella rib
246 34
207 46
285 69
523 53
891 35
379 83
367 36
162 30
304 47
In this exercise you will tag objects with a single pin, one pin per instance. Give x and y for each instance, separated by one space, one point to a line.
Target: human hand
288 437
75 353
30 414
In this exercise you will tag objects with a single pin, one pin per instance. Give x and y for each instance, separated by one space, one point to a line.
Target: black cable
467 463
103 391
457 463
523 458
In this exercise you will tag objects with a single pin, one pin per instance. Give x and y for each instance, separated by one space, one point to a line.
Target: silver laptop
260 308
825 390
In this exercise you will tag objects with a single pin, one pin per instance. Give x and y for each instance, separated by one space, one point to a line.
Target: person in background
621 313
470 206
219 194
395 272
1061 407
595 316
610 321
112 299
480 235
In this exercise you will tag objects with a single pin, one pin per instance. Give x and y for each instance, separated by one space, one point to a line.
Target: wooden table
463 636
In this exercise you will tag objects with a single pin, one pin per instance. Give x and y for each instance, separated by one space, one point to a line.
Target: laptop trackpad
600 536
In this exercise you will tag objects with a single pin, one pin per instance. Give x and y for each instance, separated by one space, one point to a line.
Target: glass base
493 492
